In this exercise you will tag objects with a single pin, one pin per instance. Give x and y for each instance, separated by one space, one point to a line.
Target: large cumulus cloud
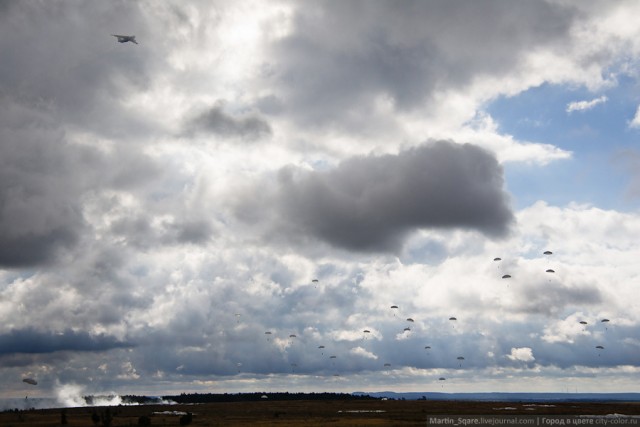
340 56
371 203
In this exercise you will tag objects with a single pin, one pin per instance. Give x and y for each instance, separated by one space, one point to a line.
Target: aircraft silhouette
124 39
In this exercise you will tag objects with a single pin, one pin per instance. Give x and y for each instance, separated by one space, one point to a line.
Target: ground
313 413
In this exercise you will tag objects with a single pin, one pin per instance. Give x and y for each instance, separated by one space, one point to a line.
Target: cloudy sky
203 210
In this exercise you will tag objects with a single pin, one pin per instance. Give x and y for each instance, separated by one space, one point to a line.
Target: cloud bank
372 203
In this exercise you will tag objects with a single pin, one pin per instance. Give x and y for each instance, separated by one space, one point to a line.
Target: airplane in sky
124 39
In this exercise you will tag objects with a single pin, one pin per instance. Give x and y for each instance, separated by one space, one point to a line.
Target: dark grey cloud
63 72
39 213
63 55
33 341
539 297
371 203
342 55
43 179
217 121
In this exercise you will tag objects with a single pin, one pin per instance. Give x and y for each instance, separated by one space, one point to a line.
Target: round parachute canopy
394 306
268 333
409 319
550 271
506 276
428 347
333 357
600 347
582 322
320 346
460 358
314 281
497 259
441 379
387 364
547 253
366 331
604 320
452 318
292 336
407 329
30 381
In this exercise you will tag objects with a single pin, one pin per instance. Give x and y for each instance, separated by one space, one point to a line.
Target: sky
234 200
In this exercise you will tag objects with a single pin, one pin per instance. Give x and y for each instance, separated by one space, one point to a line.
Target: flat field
315 413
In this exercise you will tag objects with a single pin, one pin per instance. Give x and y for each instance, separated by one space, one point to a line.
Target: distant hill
508 397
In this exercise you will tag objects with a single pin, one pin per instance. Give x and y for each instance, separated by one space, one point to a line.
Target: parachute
314 281
409 319
407 329
550 271
460 358
333 357
600 347
427 347
584 324
547 253
293 336
506 276
441 379
453 319
395 307
30 381
267 333
497 259
387 364
605 321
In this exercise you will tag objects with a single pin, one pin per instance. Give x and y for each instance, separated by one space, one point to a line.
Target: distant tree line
248 397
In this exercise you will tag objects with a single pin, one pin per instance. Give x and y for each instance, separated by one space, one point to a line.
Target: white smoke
73 395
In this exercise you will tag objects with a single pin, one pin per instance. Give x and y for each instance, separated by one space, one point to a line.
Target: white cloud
585 105
635 122
359 351
522 354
